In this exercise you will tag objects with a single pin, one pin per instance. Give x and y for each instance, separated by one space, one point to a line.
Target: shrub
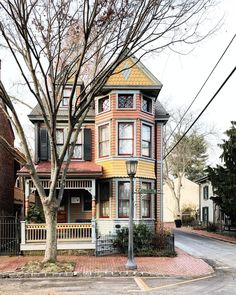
35 214
146 242
212 227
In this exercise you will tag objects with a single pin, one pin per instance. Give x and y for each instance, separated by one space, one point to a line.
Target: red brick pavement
182 265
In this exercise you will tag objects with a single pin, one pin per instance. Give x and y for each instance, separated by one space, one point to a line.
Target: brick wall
6 169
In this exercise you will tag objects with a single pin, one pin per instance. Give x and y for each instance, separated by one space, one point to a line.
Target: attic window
147 104
66 97
104 104
125 101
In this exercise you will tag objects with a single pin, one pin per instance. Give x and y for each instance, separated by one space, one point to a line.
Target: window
147 104
104 104
104 140
59 139
123 198
125 138
146 140
87 202
205 214
146 201
66 96
104 199
205 192
78 147
125 101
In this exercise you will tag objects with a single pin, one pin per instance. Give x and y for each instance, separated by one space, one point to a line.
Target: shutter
43 144
87 144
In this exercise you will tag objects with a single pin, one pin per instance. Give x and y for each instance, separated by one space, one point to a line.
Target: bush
35 214
146 242
212 227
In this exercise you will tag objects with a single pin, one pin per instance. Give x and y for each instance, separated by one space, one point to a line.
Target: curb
22 275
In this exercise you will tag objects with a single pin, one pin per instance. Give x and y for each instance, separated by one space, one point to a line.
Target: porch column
93 221
27 193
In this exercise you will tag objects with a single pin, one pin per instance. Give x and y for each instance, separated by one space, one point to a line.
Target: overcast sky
183 75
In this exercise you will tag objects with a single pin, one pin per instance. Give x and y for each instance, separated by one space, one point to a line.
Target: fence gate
9 235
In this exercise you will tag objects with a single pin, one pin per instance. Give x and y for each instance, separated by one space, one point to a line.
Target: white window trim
152 200
152 140
127 92
73 99
97 104
117 137
97 131
152 99
117 198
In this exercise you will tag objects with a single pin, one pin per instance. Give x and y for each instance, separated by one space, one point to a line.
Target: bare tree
56 41
188 158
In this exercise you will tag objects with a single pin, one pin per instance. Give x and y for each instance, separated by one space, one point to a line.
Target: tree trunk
50 212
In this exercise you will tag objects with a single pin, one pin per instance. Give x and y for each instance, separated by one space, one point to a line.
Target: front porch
69 236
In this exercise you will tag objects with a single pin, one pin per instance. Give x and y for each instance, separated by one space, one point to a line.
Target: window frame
83 209
119 199
125 94
150 200
60 145
108 200
65 97
78 144
150 142
205 192
145 97
125 139
106 125
98 104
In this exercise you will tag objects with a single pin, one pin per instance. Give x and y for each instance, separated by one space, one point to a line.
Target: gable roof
132 74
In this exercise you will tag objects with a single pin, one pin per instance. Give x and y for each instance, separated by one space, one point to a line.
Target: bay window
104 140
146 200
123 198
103 104
146 140
125 101
125 138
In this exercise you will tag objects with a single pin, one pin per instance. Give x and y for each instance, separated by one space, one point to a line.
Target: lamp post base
131 265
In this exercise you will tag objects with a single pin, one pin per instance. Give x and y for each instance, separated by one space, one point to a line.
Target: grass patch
39 267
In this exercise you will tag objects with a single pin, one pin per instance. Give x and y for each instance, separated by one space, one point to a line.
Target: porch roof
76 168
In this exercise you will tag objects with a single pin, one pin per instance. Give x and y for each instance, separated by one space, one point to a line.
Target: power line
219 89
208 77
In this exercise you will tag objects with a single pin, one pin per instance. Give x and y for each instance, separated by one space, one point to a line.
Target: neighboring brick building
7 168
127 121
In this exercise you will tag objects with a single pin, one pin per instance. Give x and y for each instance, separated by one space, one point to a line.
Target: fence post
22 231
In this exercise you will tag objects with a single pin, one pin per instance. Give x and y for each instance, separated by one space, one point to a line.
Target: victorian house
126 122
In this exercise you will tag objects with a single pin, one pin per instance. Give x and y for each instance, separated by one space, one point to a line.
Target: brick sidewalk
183 265
204 233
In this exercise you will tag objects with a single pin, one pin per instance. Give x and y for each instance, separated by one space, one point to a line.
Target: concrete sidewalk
204 233
183 265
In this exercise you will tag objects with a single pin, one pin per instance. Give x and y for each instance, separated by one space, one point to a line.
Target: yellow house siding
117 168
136 77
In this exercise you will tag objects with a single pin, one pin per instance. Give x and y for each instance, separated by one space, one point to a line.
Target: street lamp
131 167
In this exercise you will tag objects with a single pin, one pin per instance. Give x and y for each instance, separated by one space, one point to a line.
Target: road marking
142 285
222 267
182 283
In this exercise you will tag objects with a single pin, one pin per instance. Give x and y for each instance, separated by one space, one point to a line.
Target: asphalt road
220 254
223 281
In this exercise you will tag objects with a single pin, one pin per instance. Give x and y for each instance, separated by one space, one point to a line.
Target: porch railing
36 233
